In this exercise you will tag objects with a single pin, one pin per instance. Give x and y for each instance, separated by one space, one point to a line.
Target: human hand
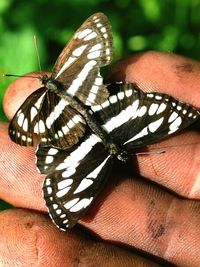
132 211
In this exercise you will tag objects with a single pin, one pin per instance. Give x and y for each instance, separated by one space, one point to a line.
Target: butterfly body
50 83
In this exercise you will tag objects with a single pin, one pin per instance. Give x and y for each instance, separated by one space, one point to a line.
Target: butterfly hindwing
77 67
143 118
70 187
47 115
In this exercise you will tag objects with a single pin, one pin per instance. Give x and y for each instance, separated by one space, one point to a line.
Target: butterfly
51 111
131 119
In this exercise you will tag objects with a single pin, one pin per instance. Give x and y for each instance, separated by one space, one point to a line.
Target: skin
148 215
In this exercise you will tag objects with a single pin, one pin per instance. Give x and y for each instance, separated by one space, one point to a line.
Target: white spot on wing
25 125
65 66
105 104
113 99
41 126
82 204
174 126
158 97
20 119
153 108
98 81
95 47
161 108
84 33
99 25
23 137
155 125
120 95
142 111
53 151
33 113
64 183
69 172
96 108
128 93
36 128
124 116
70 124
47 181
86 182
63 192
94 89
103 30
90 36
173 116
65 129
72 161
39 101
54 115
94 54
49 190
55 206
78 51
73 88
139 135
65 221
49 159
71 203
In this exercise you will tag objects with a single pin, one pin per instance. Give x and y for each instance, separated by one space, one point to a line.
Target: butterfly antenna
153 152
16 75
37 52
163 149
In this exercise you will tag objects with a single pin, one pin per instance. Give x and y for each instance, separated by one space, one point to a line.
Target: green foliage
170 25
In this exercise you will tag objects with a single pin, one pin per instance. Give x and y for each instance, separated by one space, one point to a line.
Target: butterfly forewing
47 115
143 118
70 187
77 67
75 74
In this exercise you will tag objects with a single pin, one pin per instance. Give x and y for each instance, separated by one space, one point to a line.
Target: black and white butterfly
50 112
131 119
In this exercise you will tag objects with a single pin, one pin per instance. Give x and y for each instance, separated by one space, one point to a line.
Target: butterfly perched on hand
49 111
132 119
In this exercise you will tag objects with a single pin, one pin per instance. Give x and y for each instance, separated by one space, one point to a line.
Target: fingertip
18 91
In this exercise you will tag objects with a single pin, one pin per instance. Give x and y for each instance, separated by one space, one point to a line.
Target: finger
142 215
18 91
20 183
162 72
133 212
39 243
177 169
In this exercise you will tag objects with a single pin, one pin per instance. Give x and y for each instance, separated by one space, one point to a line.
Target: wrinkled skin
149 213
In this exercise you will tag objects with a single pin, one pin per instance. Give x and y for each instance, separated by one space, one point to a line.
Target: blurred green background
138 25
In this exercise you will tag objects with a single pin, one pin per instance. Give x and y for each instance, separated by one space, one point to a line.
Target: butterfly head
121 154
48 82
